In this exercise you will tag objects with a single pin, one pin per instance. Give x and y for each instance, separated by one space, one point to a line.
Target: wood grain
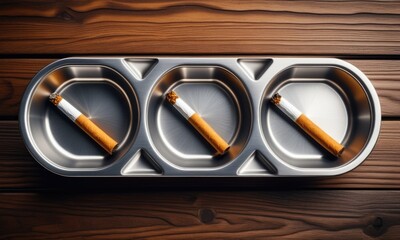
15 74
200 27
19 171
321 214
36 204
386 82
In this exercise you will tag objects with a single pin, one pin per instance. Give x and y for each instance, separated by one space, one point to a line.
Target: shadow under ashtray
218 96
101 94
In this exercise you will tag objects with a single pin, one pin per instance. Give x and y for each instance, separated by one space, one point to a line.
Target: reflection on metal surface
141 164
257 164
255 68
141 67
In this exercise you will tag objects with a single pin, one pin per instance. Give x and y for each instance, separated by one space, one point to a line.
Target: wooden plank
16 73
200 27
19 171
334 214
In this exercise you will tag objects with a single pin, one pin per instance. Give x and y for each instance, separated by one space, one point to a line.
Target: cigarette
102 138
308 126
198 123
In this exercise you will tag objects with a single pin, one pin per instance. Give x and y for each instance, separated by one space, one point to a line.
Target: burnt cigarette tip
55 98
276 98
172 96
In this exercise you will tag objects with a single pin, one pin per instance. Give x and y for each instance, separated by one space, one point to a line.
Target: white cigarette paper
198 123
102 138
308 126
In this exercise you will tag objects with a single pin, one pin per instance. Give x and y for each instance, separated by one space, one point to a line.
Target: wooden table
362 204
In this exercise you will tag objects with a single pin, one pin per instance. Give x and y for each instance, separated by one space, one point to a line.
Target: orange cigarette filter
96 133
198 123
308 126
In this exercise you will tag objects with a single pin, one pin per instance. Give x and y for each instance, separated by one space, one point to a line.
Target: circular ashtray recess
101 94
222 101
332 98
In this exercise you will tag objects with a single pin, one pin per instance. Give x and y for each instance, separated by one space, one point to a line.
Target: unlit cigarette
102 138
308 126
198 123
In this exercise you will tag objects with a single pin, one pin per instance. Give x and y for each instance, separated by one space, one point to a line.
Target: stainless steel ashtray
126 98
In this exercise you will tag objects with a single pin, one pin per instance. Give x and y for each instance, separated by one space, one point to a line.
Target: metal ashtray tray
126 98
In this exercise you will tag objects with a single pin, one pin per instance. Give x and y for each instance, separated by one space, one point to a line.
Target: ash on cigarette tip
276 98
55 98
171 97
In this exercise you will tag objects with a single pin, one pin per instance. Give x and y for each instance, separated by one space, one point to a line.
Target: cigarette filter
308 126
102 138
198 123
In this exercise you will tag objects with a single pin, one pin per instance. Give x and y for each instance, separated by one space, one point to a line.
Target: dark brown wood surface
193 27
335 214
362 204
